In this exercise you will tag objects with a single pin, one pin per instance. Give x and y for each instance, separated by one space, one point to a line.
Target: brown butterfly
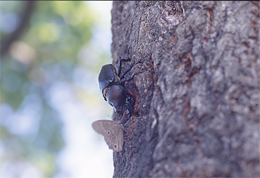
112 132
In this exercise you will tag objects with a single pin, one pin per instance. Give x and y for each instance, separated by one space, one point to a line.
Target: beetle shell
115 96
107 76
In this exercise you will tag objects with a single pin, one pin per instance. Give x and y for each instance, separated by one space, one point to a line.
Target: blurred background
51 54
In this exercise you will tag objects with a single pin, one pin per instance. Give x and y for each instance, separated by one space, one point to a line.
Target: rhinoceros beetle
112 86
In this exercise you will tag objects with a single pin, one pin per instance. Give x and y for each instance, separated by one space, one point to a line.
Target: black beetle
111 85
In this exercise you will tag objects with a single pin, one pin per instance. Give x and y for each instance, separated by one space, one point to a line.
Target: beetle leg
130 103
120 64
128 78
130 106
123 76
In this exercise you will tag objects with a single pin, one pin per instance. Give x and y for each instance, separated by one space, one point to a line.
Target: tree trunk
197 88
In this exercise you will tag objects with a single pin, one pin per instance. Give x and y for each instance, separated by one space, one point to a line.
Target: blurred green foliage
46 54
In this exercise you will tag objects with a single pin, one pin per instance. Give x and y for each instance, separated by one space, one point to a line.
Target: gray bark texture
197 88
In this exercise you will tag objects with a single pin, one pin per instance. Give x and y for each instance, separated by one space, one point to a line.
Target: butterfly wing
112 132
115 141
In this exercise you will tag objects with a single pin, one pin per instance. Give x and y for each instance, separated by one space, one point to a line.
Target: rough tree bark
197 89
